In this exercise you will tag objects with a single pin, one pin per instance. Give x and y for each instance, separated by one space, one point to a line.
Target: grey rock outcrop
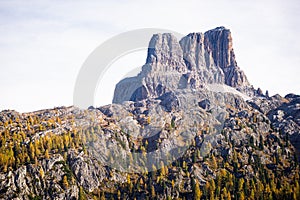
189 116
265 105
283 113
196 60
32 180
286 118
161 73
218 43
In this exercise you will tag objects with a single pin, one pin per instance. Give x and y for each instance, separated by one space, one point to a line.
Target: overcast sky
44 43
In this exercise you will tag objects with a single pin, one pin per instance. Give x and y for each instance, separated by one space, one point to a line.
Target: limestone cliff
194 128
196 60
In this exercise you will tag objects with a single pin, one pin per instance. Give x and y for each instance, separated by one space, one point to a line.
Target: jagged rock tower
196 60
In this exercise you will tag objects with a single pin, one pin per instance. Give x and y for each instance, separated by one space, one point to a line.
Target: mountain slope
189 126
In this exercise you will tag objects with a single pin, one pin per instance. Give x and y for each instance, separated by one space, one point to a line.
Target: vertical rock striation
161 73
218 43
196 60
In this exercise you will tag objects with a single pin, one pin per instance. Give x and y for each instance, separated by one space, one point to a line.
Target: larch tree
197 191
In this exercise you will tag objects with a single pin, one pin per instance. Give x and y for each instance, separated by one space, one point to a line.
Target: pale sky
44 43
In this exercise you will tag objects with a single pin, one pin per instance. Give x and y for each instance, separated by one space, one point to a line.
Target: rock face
197 59
218 43
161 73
283 113
189 119
165 53
286 118
200 62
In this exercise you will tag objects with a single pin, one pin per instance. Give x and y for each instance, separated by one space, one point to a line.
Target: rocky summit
194 61
188 126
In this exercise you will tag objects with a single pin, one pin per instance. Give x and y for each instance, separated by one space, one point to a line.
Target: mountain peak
191 63
165 53
185 127
163 45
218 42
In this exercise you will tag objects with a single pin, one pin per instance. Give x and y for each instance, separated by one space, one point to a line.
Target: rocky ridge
189 126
